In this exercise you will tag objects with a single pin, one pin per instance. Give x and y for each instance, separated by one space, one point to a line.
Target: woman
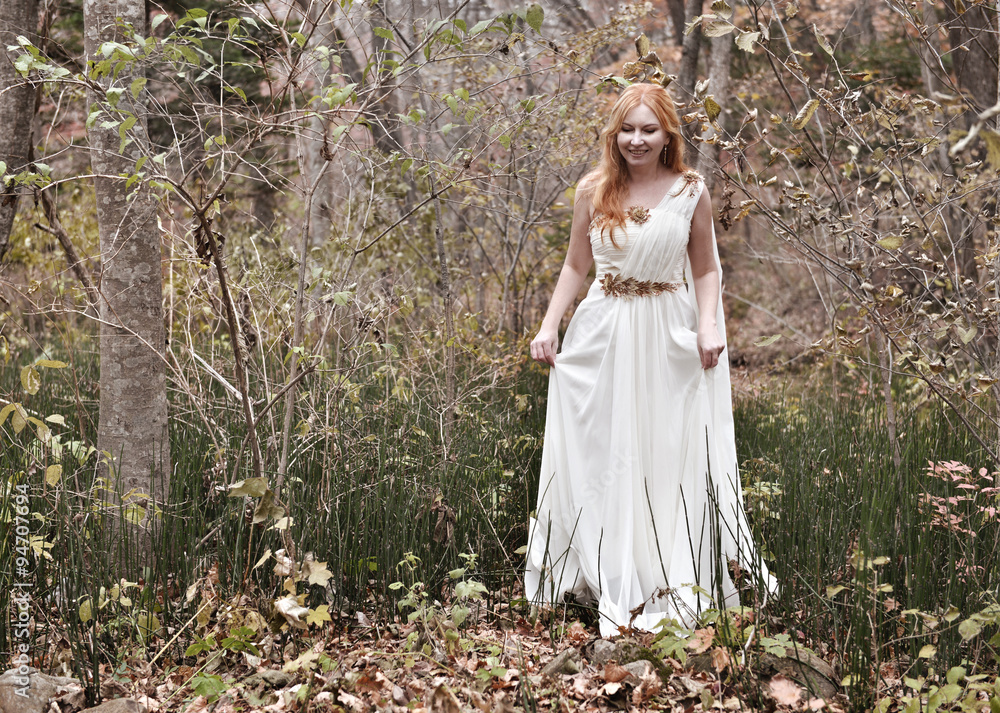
639 502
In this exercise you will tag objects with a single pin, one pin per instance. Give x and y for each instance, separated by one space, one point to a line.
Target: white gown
639 492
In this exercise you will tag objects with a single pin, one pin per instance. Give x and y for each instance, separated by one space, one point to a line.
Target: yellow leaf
834 590
891 242
805 114
319 574
642 45
19 419
30 380
718 28
745 40
823 43
927 652
319 616
767 341
52 474
148 624
712 108
253 487
791 9
967 335
86 611
51 364
722 9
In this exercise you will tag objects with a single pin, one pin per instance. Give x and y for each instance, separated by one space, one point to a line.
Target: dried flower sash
628 287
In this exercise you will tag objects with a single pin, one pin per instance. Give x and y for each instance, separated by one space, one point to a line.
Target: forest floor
501 666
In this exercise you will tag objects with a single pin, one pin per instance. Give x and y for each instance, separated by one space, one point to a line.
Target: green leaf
712 108
383 32
137 86
969 629
113 95
534 17
299 38
805 114
30 380
480 27
452 104
956 674
23 64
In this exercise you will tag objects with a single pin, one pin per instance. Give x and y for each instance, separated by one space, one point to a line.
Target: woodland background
268 272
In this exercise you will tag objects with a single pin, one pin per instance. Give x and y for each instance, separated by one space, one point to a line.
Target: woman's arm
579 258
705 274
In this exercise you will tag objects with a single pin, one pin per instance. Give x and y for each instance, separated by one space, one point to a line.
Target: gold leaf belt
628 287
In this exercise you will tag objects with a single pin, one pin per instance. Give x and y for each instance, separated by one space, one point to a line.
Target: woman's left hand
710 346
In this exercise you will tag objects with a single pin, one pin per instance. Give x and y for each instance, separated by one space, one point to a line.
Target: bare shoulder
585 188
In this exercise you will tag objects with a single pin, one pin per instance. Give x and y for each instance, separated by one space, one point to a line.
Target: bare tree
132 427
17 104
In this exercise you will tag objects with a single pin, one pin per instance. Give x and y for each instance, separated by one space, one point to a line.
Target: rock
33 692
604 651
276 679
568 662
639 670
806 669
119 705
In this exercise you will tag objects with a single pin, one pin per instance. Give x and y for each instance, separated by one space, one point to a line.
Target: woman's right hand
544 346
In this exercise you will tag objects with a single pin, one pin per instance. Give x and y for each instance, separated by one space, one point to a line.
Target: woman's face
641 138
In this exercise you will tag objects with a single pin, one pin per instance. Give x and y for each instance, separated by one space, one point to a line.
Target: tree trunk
384 125
132 426
17 104
719 61
976 64
676 8
689 55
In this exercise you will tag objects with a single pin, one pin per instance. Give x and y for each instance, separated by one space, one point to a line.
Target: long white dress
639 500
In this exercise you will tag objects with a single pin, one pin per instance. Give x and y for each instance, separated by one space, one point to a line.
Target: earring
663 155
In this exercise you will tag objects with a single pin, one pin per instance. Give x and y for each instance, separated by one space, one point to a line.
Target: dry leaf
784 691
701 640
444 701
613 673
720 659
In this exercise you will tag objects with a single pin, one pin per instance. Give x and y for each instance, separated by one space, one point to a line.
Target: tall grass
362 491
854 541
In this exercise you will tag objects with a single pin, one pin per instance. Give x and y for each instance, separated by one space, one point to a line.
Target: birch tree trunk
132 425
719 61
17 104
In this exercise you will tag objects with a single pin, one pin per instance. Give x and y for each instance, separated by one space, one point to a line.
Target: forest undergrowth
393 566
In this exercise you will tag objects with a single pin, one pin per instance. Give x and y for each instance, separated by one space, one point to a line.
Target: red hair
611 175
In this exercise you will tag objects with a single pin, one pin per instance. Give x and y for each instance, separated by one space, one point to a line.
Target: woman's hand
544 346
710 346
